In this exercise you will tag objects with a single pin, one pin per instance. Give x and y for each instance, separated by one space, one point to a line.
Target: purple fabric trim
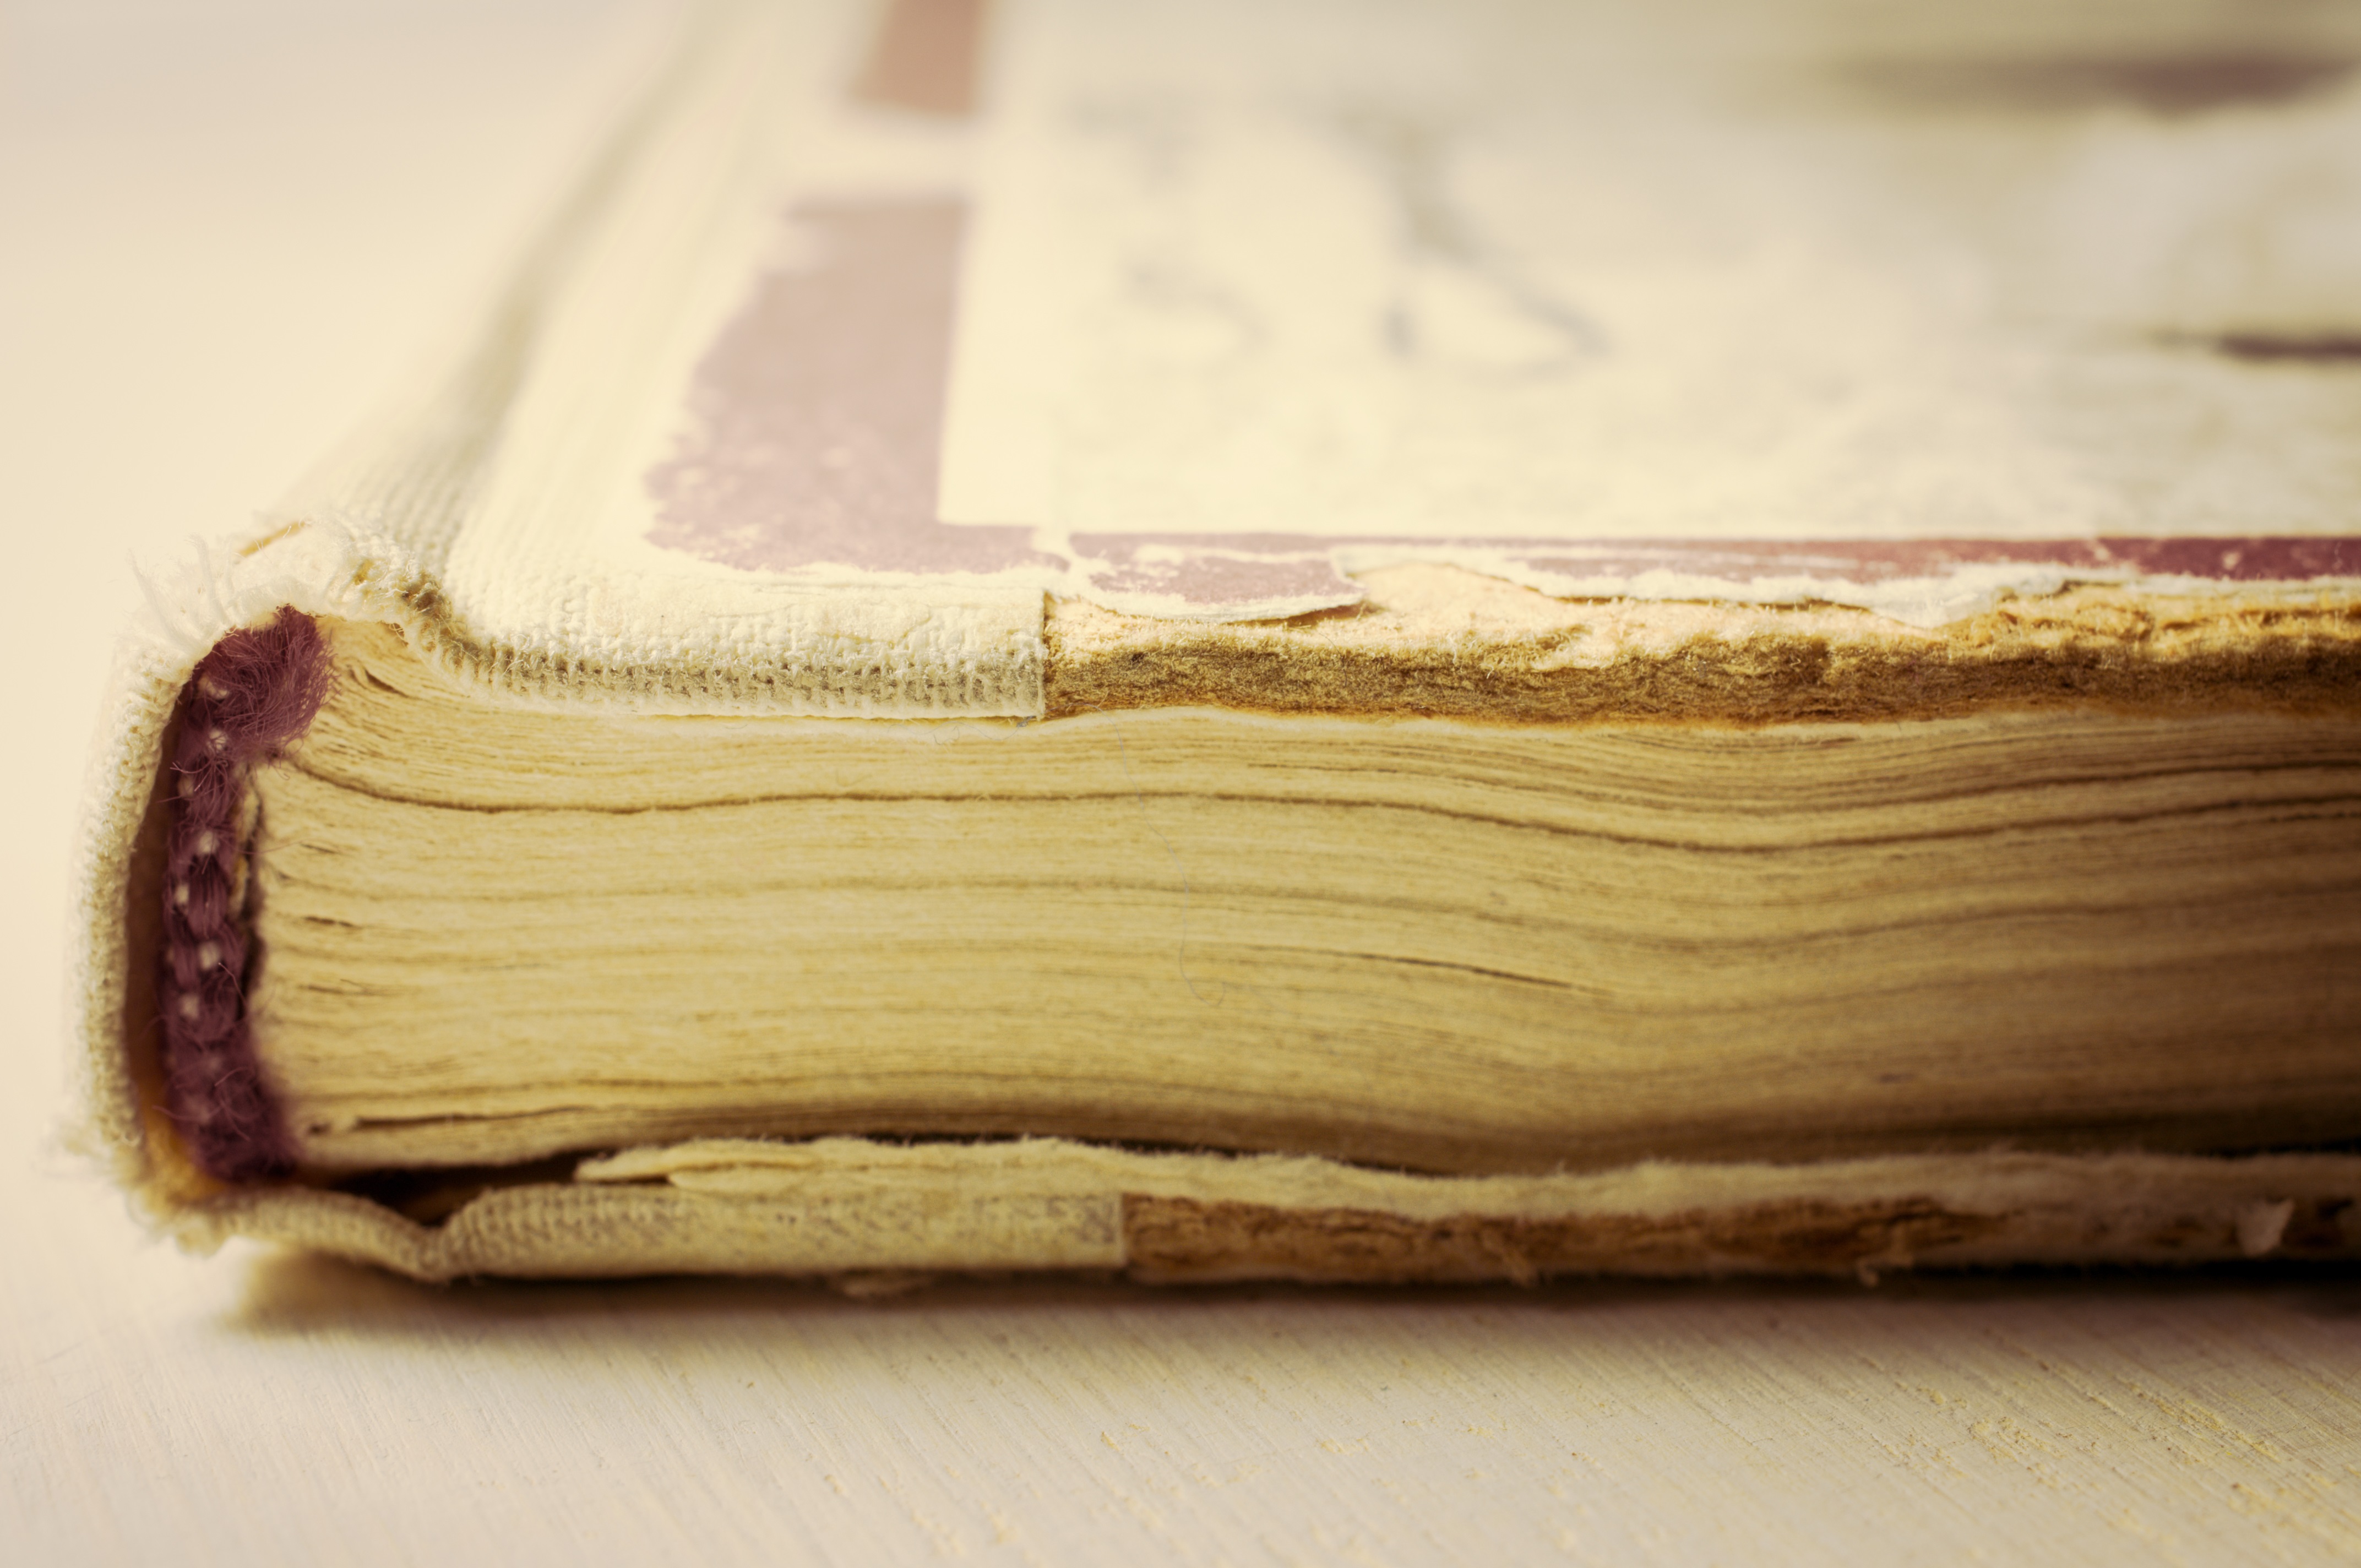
256 691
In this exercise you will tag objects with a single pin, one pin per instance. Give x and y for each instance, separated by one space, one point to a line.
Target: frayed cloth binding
256 691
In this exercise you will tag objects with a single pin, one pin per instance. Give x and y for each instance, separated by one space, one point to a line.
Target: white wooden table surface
221 230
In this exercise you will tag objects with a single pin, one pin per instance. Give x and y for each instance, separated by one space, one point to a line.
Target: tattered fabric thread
256 691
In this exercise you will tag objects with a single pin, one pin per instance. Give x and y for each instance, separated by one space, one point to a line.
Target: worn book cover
1411 641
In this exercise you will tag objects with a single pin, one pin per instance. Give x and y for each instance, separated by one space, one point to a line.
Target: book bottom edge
846 1206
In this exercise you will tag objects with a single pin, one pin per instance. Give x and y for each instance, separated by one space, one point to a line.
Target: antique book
1420 641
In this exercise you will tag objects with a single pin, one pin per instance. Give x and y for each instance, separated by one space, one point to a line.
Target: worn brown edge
1181 1240
1630 661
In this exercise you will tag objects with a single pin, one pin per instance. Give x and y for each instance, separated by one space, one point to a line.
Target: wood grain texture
279 1407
